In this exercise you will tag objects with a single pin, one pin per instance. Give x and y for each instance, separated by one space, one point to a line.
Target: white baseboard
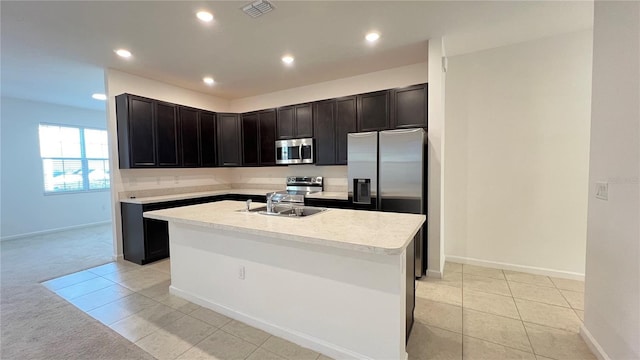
321 346
515 267
435 274
52 231
593 345
118 257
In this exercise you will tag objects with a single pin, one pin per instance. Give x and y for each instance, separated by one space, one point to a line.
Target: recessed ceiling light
204 16
372 36
208 80
123 53
99 96
287 59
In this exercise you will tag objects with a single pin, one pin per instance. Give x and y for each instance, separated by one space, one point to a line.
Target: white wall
436 160
516 150
379 80
612 289
144 179
25 208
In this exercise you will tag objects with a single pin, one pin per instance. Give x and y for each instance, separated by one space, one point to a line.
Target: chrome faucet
270 202
275 198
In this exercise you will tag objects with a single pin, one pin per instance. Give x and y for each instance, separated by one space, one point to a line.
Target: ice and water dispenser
362 191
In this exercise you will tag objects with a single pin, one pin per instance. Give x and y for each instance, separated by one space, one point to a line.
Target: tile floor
483 313
473 313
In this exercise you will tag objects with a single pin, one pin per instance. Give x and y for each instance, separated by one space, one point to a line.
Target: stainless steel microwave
294 151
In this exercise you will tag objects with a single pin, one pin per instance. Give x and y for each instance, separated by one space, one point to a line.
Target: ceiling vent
257 8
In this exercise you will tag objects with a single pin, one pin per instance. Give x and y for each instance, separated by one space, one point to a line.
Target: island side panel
343 303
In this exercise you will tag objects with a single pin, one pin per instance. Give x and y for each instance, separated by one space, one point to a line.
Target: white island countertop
364 231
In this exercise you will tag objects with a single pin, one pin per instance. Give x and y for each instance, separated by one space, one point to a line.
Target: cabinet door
304 121
373 111
346 118
207 139
250 152
142 142
190 134
325 130
409 107
267 137
167 135
285 121
229 150
156 237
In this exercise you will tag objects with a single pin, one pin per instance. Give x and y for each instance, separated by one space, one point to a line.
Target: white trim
593 345
292 335
51 231
434 274
119 257
515 267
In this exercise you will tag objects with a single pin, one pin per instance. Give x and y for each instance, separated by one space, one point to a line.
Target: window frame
84 161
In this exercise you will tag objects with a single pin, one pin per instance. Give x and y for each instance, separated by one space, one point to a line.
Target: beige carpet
36 323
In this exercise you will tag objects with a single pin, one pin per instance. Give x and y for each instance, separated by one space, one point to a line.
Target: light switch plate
602 190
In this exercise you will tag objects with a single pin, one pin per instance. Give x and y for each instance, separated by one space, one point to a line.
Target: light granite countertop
194 195
365 231
329 195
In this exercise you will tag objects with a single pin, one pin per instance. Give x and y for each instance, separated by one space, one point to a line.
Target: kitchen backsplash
156 182
335 177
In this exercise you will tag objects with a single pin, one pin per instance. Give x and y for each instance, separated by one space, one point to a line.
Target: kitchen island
335 282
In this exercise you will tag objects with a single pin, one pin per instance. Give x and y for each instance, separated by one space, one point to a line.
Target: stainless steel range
304 185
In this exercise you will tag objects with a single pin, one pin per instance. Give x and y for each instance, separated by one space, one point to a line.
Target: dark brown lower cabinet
143 240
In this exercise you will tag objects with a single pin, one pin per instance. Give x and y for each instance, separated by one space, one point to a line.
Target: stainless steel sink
289 210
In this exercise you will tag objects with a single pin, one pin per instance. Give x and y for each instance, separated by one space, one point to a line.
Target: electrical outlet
602 190
241 272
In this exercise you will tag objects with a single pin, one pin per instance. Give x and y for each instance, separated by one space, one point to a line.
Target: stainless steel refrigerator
387 172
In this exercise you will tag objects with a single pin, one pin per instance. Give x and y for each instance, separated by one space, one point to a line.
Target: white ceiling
56 51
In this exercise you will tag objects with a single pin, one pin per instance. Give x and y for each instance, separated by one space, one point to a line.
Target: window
74 158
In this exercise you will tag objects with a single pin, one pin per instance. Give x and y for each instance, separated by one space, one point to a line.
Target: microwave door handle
300 152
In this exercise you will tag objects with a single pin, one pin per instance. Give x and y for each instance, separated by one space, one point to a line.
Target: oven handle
300 151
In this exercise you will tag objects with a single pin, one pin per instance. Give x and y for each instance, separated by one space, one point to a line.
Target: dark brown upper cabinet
229 140
346 119
144 125
324 122
208 141
136 137
167 130
333 120
409 106
373 111
259 138
250 138
267 119
190 136
295 121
